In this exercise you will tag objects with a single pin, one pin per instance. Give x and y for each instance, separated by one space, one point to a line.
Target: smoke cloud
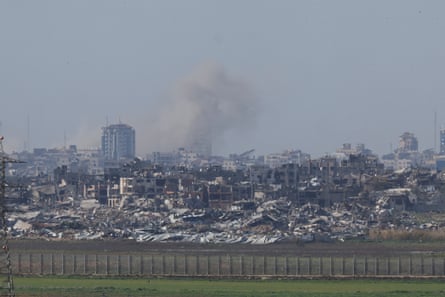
201 109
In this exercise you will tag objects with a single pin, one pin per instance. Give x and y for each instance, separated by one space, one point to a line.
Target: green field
111 287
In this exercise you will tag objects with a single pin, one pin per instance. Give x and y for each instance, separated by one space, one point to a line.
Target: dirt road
290 248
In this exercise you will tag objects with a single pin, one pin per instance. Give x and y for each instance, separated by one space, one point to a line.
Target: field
110 287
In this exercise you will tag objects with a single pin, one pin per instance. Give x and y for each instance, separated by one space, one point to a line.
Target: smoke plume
201 109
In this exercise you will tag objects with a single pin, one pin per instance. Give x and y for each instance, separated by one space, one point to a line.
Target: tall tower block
118 142
442 141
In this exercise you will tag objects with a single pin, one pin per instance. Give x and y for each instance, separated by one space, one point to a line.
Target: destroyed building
63 194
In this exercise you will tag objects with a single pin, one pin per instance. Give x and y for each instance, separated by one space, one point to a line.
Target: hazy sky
317 73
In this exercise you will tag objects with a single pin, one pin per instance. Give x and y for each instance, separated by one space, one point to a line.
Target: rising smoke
204 106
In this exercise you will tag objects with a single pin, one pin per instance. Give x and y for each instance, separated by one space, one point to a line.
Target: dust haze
206 104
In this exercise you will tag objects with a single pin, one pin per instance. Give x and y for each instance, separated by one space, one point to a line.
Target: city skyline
118 142
307 75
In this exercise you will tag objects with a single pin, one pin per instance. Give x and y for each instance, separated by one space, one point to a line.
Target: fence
229 266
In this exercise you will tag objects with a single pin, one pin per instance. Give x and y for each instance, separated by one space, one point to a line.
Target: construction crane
246 153
6 281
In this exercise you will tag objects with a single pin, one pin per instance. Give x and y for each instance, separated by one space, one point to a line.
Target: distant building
440 163
347 149
442 141
408 143
166 159
118 142
286 157
407 155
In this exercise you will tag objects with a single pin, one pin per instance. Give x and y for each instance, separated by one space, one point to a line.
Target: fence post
163 265
286 265
365 269
230 265
421 265
309 266
433 266
174 272
264 265
141 264
320 265
96 264
208 265
119 265
63 264
30 263
151 265
74 264
219 265
331 266
107 264
19 263
376 266
41 264
241 265
388 266
52 263
410 265
253 266
275 265
298 265
399 266
85 264
342 265
354 263
443 266
185 265
130 264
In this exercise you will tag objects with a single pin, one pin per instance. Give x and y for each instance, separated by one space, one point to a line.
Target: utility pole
6 281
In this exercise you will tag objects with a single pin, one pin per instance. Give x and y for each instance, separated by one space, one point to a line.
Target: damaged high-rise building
118 142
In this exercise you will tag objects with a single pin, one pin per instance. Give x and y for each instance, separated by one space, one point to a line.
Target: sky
268 75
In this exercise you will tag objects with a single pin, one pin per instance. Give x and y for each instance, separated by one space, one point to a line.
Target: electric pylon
6 281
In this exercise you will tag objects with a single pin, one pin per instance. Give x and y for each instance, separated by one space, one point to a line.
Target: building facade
118 142
408 143
442 141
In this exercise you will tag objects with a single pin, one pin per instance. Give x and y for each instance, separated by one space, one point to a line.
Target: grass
110 287
415 235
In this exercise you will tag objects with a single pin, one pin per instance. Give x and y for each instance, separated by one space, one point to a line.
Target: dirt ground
289 248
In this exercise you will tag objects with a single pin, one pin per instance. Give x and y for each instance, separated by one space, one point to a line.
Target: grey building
118 142
442 141
408 143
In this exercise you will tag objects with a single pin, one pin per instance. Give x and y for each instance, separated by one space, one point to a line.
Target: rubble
271 221
319 200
